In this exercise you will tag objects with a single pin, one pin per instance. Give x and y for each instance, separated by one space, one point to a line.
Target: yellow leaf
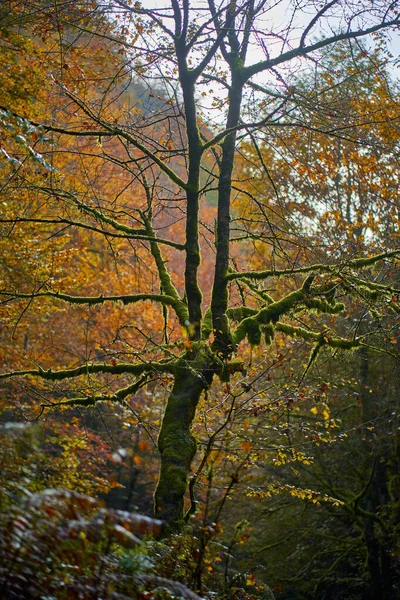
326 414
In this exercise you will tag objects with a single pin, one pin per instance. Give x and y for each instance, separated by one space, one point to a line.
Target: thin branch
303 51
69 222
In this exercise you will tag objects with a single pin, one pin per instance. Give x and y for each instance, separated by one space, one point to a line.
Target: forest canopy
199 298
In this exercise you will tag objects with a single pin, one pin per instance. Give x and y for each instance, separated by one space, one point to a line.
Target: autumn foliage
199 301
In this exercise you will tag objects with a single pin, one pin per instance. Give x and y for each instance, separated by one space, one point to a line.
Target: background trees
356 394
148 140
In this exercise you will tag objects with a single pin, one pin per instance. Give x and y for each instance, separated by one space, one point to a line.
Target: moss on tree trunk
176 442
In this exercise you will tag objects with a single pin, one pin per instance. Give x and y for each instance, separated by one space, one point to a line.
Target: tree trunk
176 443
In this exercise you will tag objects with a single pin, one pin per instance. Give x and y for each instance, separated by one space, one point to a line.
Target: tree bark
176 442
223 344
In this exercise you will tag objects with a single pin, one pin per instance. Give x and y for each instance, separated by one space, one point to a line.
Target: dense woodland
199 299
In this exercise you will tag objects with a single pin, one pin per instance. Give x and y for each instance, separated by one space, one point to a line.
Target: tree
95 170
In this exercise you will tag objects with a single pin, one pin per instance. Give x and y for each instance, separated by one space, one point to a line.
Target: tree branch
118 369
128 236
357 263
91 300
303 51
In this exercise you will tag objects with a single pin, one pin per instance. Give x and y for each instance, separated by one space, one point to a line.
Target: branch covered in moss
263 294
206 325
167 285
357 263
313 355
240 313
118 369
251 325
118 396
91 300
371 289
322 306
324 337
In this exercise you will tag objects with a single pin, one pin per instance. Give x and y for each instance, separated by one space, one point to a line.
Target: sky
271 35
281 16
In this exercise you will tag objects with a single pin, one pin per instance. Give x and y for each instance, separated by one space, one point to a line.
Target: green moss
323 306
269 333
253 332
324 337
240 313
366 262
168 287
176 442
272 313
343 344
375 313
206 325
249 327
293 331
313 355
177 447
330 295
90 401
373 295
